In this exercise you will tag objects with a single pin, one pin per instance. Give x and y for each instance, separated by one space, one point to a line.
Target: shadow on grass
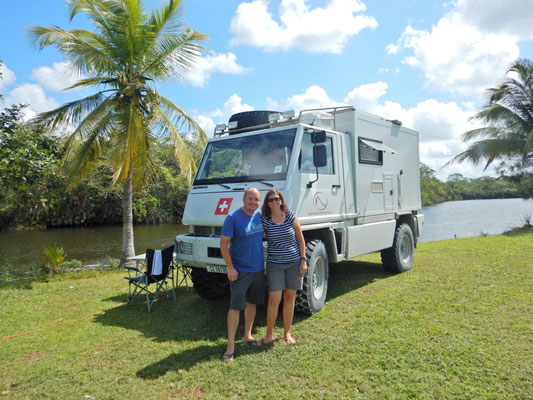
190 318
25 283
189 358
194 319
351 275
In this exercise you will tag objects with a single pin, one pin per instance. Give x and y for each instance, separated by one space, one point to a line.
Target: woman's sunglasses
273 199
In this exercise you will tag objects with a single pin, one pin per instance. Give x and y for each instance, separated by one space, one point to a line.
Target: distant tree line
458 187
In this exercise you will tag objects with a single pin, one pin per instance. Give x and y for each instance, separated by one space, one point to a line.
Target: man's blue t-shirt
246 233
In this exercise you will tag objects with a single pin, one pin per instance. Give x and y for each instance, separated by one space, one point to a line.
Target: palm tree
124 57
508 116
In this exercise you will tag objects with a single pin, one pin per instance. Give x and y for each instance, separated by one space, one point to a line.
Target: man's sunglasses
273 199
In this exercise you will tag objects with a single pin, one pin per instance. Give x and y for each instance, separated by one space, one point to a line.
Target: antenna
313 121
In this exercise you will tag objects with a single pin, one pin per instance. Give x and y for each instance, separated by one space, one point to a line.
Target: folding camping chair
185 271
140 281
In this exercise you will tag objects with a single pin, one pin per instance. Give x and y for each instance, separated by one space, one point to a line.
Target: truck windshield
241 159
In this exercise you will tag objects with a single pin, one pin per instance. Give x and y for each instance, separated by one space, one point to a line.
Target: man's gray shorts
284 276
248 288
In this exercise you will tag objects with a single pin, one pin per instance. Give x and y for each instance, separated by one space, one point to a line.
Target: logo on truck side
223 206
320 200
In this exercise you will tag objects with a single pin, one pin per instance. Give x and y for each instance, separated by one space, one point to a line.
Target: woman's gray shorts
284 276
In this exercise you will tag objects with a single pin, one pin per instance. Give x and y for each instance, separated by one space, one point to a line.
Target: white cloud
213 63
366 96
440 126
512 17
470 47
232 106
313 97
389 70
392 49
315 30
33 95
58 77
8 77
458 57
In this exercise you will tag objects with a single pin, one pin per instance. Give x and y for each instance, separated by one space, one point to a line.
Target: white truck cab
352 179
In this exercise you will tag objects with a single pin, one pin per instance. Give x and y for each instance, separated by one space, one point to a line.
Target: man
244 260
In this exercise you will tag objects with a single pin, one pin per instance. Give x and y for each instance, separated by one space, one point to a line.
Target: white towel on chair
157 263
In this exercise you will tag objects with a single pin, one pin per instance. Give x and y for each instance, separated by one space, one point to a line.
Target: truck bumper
198 251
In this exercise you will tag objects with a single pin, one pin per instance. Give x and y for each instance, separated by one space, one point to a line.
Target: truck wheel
399 257
311 298
209 285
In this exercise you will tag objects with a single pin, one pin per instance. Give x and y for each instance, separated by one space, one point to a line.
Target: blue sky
424 62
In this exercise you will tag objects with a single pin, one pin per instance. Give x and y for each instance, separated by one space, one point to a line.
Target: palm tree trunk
128 247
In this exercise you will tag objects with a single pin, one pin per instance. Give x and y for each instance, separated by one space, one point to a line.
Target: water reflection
87 244
470 218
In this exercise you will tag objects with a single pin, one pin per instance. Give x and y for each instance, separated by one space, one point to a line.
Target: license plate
217 268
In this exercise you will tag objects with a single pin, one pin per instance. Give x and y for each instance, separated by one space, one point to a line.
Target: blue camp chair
139 281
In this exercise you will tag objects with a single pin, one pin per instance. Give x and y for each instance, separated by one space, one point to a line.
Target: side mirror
320 157
318 137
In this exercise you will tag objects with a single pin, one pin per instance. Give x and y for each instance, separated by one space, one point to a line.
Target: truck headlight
184 248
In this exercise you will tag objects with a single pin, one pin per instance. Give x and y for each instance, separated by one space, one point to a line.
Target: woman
286 263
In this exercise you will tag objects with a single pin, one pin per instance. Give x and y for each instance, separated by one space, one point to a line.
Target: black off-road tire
399 257
311 298
209 285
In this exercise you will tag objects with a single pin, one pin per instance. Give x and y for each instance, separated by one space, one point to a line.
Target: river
470 218
443 221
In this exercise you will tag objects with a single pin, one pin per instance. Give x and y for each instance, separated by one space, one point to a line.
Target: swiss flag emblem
223 206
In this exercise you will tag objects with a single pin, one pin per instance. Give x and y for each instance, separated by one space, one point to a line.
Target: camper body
352 179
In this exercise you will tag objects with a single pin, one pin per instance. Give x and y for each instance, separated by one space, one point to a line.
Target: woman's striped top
282 244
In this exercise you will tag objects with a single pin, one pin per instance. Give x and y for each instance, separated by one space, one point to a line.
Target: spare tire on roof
249 119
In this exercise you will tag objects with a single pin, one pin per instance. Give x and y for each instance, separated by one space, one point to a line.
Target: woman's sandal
228 356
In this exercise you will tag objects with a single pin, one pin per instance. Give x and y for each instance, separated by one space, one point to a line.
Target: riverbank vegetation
458 325
36 193
458 187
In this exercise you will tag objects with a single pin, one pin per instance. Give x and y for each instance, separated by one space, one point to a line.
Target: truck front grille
207 231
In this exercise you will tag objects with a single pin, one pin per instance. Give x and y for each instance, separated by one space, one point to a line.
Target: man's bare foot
289 339
266 341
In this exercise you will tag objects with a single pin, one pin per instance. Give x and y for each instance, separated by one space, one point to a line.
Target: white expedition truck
352 179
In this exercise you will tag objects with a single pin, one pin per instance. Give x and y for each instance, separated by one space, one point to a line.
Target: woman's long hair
265 209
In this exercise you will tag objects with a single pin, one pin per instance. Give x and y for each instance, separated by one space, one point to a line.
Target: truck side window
305 159
368 154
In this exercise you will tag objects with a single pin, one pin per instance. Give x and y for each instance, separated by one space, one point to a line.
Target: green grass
458 325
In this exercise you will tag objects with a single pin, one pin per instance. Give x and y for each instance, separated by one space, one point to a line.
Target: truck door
324 200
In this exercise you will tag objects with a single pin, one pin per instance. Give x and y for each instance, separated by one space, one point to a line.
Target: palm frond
487 150
181 119
87 82
173 55
182 152
84 157
70 113
508 116
82 48
167 19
